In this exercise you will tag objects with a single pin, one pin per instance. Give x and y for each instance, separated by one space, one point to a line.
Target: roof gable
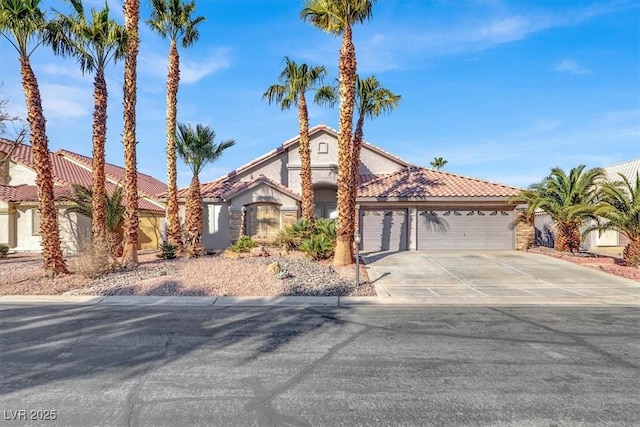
420 183
629 169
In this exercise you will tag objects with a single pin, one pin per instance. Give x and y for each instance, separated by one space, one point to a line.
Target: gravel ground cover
21 274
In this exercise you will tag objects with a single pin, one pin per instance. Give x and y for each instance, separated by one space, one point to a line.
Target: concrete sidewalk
287 301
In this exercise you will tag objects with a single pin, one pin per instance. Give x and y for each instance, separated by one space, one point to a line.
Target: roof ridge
471 177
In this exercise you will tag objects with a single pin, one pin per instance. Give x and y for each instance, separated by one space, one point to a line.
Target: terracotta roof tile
67 172
29 193
416 183
238 187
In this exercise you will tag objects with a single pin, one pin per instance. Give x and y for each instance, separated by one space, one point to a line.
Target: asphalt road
320 366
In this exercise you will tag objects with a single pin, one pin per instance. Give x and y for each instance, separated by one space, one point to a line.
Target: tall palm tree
94 44
569 200
131 19
295 80
197 148
337 18
372 100
172 19
438 162
113 213
22 22
620 208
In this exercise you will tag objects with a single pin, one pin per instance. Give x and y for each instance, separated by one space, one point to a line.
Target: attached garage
383 229
475 229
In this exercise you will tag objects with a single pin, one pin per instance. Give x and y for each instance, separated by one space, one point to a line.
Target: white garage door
466 229
383 230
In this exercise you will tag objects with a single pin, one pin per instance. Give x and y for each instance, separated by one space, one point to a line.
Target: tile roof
417 183
225 188
71 168
628 169
29 193
292 141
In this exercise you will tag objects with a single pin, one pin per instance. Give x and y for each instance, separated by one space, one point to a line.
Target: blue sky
504 90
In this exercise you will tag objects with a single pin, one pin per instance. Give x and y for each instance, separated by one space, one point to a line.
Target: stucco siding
215 226
262 193
374 163
150 229
275 168
75 231
20 174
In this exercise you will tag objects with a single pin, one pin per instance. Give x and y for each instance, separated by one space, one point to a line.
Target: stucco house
400 206
19 216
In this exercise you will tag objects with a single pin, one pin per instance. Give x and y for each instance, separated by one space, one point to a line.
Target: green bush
318 246
326 227
292 236
4 250
243 244
167 250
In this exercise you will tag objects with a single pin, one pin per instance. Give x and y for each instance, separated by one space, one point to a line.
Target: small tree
569 200
113 213
438 163
620 209
196 147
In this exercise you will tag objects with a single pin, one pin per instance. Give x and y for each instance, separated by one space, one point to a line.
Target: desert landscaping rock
206 276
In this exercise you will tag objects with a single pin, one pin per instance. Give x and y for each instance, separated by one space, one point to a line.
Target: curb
334 301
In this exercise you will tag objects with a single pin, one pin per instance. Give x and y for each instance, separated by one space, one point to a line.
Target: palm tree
620 208
197 148
113 213
371 101
569 200
295 80
94 44
337 18
172 19
438 163
22 22
131 19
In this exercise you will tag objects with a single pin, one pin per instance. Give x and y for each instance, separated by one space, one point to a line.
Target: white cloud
571 67
65 102
64 68
190 71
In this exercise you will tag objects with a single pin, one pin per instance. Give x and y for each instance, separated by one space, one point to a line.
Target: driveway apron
516 276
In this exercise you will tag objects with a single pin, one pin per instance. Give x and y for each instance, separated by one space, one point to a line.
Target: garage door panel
465 229
383 230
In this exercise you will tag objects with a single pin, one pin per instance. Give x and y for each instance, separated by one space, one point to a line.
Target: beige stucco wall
275 169
74 230
20 174
215 226
262 193
4 223
372 162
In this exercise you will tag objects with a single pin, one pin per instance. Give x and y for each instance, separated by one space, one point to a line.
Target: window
214 218
263 220
35 222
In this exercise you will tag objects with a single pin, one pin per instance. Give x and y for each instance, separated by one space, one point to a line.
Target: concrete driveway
506 275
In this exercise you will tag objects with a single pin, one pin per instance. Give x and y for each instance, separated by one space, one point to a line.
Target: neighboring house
400 206
612 238
544 230
19 216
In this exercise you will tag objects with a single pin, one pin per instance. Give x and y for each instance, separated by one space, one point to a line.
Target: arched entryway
325 198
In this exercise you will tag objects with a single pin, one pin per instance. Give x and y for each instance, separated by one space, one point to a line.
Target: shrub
326 227
92 262
4 250
318 246
243 244
167 250
292 236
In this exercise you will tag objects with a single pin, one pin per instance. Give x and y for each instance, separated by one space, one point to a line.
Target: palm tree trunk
347 87
305 160
567 238
358 136
130 252
194 217
52 253
98 202
174 235
631 253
